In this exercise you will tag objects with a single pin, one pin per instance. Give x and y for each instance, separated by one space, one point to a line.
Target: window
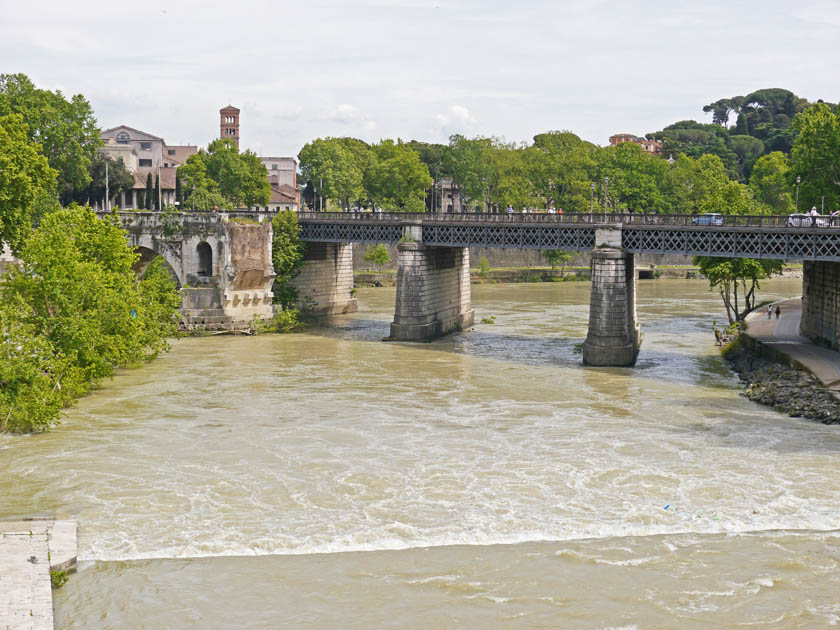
145 162
122 137
146 146
170 152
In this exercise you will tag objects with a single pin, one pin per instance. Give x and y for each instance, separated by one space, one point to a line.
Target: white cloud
417 68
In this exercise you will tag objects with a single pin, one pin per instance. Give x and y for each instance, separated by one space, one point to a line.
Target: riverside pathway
28 550
782 335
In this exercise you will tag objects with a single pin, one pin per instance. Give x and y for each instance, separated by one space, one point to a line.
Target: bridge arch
146 257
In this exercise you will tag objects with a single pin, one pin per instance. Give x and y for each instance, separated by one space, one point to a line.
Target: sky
417 69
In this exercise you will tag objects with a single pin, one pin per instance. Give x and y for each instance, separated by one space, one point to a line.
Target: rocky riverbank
794 392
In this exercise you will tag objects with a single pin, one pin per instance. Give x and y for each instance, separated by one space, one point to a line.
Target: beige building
282 175
650 146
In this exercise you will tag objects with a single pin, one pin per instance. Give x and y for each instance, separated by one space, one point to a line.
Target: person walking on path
778 311
770 312
813 214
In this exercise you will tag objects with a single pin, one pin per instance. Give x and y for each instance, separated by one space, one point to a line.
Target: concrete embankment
29 550
786 371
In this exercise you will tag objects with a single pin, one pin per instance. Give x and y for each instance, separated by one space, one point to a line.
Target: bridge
433 279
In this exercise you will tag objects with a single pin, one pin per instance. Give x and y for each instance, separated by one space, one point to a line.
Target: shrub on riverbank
72 313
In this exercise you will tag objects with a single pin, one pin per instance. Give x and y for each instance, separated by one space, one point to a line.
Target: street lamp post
798 179
591 197
606 196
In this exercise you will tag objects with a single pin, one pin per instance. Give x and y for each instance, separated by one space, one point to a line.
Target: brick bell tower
229 124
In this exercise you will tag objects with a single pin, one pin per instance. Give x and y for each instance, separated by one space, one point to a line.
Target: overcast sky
417 69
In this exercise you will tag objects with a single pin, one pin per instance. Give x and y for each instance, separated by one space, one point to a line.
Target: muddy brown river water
486 480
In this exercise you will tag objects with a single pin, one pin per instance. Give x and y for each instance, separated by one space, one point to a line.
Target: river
329 480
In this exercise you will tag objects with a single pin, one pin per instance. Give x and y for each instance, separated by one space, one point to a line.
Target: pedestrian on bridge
770 312
778 311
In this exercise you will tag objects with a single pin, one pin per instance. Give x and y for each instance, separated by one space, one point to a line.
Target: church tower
229 128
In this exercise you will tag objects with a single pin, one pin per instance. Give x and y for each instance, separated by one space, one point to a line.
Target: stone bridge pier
433 292
325 283
613 338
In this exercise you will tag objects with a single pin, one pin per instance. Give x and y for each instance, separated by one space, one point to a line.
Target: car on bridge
806 220
708 218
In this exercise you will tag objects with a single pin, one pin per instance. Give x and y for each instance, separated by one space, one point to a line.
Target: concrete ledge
29 549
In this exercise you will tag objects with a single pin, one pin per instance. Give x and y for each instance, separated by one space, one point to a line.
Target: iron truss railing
351 231
784 243
509 235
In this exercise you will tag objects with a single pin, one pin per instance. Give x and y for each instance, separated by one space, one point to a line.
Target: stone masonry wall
433 292
613 336
821 303
326 278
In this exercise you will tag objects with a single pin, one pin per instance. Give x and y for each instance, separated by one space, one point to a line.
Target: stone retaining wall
821 303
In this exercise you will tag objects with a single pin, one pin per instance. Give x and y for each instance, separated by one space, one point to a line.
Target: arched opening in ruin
205 259
147 256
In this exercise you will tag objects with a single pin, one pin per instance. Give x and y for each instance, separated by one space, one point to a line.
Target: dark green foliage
150 192
287 251
119 180
156 203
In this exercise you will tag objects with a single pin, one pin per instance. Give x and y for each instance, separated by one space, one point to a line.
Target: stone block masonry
325 282
821 303
613 338
433 292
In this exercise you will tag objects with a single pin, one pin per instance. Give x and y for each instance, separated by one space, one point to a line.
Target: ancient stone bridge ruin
223 264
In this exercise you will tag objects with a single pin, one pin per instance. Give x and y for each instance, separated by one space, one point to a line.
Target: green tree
25 177
35 381
561 167
556 257
467 160
395 177
150 192
378 255
78 305
223 174
748 150
737 279
690 182
119 180
157 200
65 129
336 168
816 156
635 178
287 250
770 182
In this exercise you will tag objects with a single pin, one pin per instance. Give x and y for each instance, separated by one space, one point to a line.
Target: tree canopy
222 174
25 177
76 304
65 129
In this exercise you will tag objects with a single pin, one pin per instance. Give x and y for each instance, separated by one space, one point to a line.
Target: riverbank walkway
29 549
782 335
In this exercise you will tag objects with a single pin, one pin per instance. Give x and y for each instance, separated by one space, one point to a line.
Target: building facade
653 147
